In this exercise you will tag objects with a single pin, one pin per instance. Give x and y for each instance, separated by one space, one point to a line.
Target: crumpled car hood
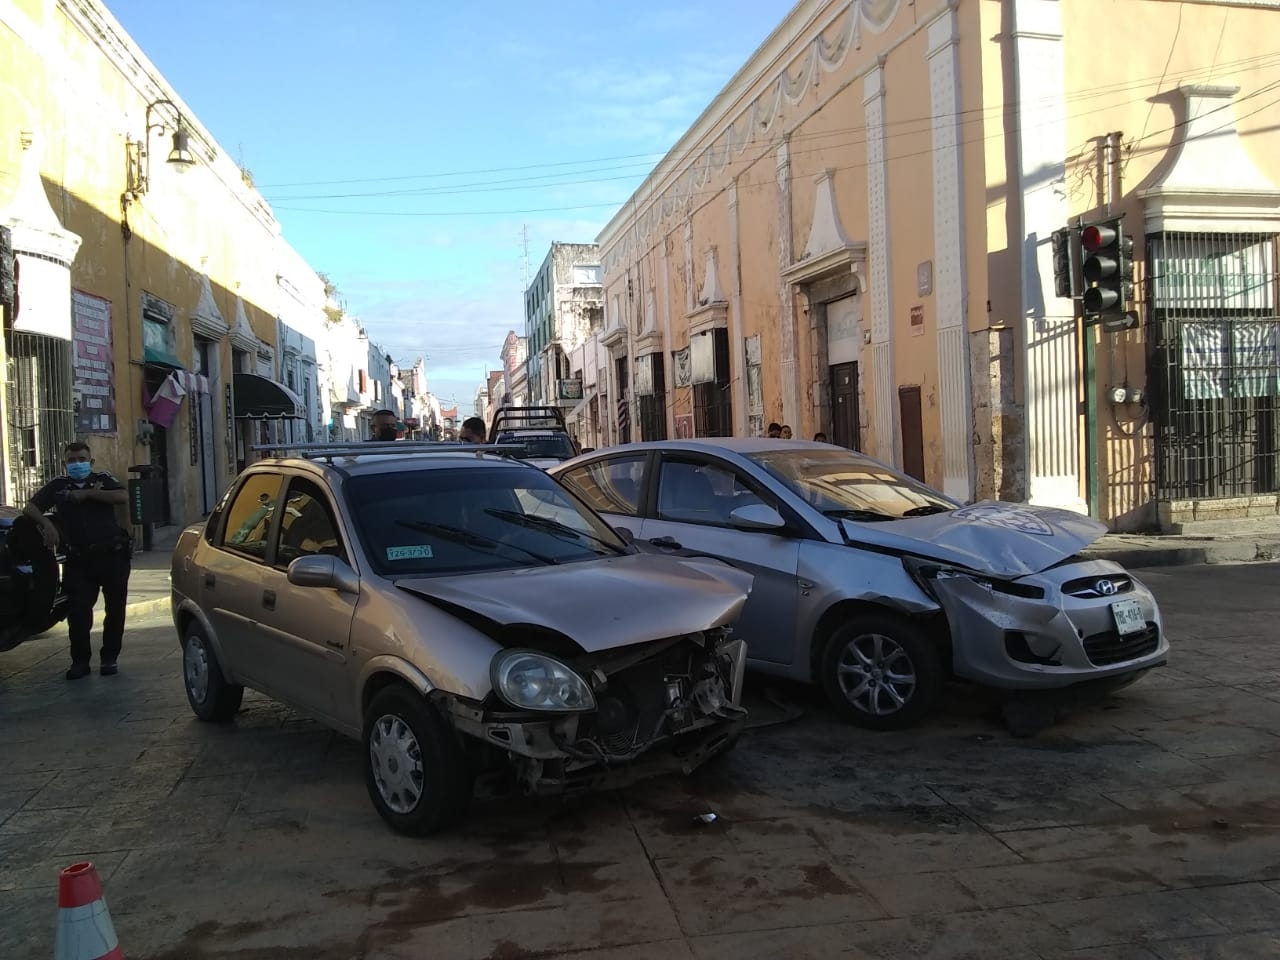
601 604
1001 539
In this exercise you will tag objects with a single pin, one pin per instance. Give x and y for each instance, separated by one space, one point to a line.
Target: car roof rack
379 448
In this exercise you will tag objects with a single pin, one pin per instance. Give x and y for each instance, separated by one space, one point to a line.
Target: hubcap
876 674
196 667
396 760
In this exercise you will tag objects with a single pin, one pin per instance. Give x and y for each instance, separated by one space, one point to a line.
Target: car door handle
667 543
209 581
269 599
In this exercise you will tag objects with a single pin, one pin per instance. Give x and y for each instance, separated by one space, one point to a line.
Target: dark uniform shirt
87 523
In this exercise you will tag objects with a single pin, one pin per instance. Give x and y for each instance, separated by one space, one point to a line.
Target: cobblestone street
1145 827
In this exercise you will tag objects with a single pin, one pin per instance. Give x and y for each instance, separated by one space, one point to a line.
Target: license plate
1128 617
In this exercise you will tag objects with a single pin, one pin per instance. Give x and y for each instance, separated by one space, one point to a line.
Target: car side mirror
757 516
625 533
323 571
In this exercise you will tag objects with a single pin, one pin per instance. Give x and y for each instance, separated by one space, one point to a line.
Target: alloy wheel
876 674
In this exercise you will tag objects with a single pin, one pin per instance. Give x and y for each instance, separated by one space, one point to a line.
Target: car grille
1104 649
1091 588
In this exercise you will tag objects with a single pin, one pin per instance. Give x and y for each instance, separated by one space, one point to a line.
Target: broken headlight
528 680
926 572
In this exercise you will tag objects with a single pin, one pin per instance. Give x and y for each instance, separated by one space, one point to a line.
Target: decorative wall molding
712 310
242 335
36 229
787 360
711 291
680 178
1191 196
737 384
955 399
206 318
829 251
650 342
884 404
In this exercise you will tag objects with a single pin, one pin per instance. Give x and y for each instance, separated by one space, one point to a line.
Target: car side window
308 526
250 514
692 492
609 486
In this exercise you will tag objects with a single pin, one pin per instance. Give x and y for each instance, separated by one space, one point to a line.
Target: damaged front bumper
671 712
1067 625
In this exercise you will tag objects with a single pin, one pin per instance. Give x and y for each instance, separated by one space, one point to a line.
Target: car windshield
843 485
549 447
459 520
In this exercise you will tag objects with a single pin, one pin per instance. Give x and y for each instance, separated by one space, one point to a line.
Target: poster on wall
683 368
684 427
92 364
1221 360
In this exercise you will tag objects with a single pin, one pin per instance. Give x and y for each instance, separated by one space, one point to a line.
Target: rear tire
881 672
414 769
212 698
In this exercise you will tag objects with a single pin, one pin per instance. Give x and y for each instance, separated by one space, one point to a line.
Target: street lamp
139 154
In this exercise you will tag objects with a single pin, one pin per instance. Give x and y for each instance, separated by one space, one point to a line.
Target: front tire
881 672
416 774
212 698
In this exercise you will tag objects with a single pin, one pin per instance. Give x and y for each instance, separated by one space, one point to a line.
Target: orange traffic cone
85 930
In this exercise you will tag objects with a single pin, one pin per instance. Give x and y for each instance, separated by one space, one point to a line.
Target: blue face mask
79 470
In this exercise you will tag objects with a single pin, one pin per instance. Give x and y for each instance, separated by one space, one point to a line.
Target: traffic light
1108 269
1064 267
7 262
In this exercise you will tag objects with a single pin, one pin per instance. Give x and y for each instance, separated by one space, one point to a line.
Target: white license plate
1128 617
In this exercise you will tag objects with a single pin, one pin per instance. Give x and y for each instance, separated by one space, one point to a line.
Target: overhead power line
649 159
848 166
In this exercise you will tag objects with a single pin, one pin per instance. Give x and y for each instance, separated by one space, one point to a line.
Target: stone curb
146 608
1207 552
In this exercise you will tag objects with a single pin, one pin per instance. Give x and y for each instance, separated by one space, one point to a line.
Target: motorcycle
32 596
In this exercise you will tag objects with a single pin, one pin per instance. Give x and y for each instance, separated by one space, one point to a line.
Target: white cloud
627 103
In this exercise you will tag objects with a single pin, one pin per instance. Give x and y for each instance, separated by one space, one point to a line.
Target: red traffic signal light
1096 237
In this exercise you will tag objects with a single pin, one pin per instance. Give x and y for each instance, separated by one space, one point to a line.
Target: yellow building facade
149 268
855 238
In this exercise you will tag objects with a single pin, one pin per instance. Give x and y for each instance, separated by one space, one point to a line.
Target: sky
407 146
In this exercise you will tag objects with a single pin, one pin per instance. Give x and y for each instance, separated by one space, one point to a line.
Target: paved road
1147 828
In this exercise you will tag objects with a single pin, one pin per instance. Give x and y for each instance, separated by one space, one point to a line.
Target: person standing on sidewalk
97 549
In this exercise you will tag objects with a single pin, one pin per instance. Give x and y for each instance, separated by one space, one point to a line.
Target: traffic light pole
1089 350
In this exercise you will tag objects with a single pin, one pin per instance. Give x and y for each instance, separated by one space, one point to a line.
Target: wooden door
912 425
843 381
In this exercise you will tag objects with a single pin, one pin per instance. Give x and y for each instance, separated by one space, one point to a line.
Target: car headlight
528 680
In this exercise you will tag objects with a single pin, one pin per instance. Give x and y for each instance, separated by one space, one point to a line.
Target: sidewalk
149 579
1157 550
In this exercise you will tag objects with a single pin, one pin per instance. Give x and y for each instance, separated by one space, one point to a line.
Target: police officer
97 550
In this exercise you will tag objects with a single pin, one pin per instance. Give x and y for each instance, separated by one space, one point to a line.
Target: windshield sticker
1005 515
419 552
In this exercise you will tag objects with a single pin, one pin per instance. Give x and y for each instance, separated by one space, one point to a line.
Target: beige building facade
855 238
149 268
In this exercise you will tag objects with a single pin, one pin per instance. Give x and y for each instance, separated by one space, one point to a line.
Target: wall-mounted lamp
139 152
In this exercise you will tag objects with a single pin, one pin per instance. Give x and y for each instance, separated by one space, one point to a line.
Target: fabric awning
261 398
581 405
157 357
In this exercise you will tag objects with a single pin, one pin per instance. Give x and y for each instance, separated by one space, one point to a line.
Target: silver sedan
878 587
